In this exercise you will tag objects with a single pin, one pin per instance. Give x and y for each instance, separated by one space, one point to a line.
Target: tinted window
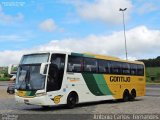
133 69
75 64
56 72
125 68
140 70
115 67
103 66
90 65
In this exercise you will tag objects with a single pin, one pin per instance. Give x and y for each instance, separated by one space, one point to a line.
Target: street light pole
124 30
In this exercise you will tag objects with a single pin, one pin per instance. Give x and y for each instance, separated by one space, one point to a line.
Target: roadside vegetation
153 74
4 74
152 70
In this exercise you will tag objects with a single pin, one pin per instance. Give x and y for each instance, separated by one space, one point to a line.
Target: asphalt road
142 105
153 90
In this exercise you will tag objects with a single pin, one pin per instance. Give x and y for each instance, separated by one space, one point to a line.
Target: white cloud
147 7
48 25
141 43
10 57
8 19
14 38
103 10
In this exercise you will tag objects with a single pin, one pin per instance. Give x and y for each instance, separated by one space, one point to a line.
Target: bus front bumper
42 100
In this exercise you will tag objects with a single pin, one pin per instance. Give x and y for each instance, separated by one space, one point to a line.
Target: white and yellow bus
56 78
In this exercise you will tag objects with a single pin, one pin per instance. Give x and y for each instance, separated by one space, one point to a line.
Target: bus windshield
35 58
28 74
29 78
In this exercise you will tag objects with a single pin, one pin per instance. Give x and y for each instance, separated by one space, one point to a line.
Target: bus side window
140 70
90 65
133 69
115 67
75 64
125 68
103 66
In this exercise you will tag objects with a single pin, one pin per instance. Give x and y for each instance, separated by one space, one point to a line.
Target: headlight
40 94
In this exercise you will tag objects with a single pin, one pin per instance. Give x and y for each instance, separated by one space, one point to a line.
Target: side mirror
43 68
12 69
9 69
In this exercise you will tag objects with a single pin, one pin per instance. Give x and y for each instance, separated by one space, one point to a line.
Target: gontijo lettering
119 79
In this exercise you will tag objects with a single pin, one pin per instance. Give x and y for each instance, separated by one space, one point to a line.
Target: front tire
11 92
46 107
71 100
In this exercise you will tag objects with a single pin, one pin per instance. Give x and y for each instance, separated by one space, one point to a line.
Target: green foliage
152 69
153 74
5 72
152 62
4 79
158 75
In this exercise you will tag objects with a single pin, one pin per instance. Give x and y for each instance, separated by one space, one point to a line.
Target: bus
57 78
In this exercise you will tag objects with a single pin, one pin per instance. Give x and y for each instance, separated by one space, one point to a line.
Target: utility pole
124 31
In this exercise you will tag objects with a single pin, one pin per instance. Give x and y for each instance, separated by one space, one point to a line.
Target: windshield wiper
21 85
27 79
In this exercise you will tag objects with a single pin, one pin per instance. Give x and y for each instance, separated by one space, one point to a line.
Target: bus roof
104 57
91 55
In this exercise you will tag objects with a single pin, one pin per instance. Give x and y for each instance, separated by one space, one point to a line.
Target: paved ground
142 105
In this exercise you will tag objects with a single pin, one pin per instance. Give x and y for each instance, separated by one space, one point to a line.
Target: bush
4 79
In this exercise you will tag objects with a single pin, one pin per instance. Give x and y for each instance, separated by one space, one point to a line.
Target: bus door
56 72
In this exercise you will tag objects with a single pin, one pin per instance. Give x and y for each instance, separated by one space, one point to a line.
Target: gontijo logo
57 98
119 79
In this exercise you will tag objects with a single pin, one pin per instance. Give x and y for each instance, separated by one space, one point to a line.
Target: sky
94 26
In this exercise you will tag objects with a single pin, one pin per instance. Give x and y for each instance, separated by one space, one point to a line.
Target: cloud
103 10
9 19
48 25
10 57
142 42
147 7
16 37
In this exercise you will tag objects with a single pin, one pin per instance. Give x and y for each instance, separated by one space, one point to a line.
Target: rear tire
125 96
133 95
72 100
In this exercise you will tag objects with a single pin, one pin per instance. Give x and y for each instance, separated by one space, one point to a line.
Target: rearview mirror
43 68
12 69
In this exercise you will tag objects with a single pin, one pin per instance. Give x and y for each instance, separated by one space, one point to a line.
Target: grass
4 78
153 72
152 83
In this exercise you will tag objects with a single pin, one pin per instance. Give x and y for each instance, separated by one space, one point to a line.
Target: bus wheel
46 107
125 96
133 94
11 92
72 100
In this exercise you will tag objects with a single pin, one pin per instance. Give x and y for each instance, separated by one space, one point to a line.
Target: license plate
21 93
